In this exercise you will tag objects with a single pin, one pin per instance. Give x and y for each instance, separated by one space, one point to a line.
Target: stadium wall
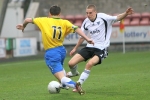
74 7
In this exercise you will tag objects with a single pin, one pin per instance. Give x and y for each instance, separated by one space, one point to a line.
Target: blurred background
14 43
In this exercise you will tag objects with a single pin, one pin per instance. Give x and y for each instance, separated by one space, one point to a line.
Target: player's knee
71 64
89 65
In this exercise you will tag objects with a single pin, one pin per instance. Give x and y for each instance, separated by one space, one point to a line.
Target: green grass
119 77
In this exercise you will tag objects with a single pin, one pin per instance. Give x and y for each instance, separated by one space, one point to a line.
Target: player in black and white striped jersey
99 27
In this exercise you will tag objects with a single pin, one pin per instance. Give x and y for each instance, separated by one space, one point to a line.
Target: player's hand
129 11
90 41
20 27
72 52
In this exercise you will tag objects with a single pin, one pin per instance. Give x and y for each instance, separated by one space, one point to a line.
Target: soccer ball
54 87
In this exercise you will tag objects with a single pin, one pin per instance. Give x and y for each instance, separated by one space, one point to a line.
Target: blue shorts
54 58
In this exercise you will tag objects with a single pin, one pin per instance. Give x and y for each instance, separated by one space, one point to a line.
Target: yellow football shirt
53 30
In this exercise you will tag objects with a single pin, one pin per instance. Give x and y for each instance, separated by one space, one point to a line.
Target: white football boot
69 74
64 87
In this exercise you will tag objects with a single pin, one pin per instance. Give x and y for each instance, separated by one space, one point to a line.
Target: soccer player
99 27
54 30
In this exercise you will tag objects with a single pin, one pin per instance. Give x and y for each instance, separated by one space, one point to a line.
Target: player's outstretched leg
79 88
76 85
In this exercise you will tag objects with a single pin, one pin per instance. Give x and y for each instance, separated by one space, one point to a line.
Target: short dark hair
55 10
91 6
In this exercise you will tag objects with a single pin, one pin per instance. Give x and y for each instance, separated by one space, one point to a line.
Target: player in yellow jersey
54 30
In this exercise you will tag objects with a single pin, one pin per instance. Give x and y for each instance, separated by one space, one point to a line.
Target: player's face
91 14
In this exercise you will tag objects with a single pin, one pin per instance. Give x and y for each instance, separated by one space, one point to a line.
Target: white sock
65 75
68 82
64 72
74 69
84 76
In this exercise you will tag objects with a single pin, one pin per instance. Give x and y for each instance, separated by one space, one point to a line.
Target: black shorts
89 52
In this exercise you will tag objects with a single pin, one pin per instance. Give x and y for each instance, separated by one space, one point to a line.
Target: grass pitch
119 77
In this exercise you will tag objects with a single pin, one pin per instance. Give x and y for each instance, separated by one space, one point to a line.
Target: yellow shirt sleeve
37 21
70 27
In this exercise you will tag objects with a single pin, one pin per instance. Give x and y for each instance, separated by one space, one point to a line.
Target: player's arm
80 41
80 32
22 26
121 16
26 21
